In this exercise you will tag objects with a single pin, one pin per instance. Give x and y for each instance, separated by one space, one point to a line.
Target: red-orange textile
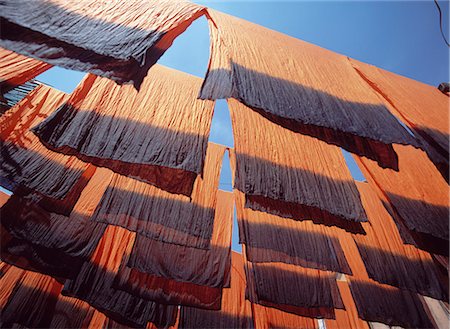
163 216
272 318
235 311
26 162
169 273
52 243
16 69
269 238
301 86
387 259
94 284
158 134
417 193
307 179
117 39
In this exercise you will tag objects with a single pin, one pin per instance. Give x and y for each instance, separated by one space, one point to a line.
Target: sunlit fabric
26 162
158 134
51 243
94 284
10 276
389 305
169 273
348 318
292 175
294 289
423 107
272 318
160 215
269 238
235 312
116 39
418 195
301 86
16 69
3 198
387 259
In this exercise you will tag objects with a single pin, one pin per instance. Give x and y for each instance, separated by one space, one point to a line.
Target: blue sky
400 36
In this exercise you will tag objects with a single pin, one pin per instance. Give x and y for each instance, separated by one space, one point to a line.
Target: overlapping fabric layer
158 135
236 311
269 238
116 39
50 243
26 163
299 86
94 284
170 274
307 179
16 69
271 318
387 259
424 108
418 195
160 215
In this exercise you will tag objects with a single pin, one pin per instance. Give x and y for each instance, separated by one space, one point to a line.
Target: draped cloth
94 284
116 39
269 238
235 312
418 195
308 179
269 317
293 289
48 242
16 69
160 215
158 135
303 87
422 107
387 259
26 163
170 274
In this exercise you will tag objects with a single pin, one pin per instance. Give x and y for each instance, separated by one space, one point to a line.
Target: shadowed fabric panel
72 313
115 39
301 86
293 289
16 69
52 243
235 311
158 134
10 276
387 259
423 107
417 192
169 273
389 305
160 215
290 174
32 301
94 284
348 318
269 238
26 162
272 318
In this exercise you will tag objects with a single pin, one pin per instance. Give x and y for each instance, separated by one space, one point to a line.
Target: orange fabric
235 311
417 192
268 318
301 86
3 198
117 39
27 163
163 216
169 273
307 179
94 284
16 69
158 134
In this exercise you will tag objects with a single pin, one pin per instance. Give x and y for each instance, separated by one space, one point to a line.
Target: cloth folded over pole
116 39
26 163
301 86
169 273
158 135
292 175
